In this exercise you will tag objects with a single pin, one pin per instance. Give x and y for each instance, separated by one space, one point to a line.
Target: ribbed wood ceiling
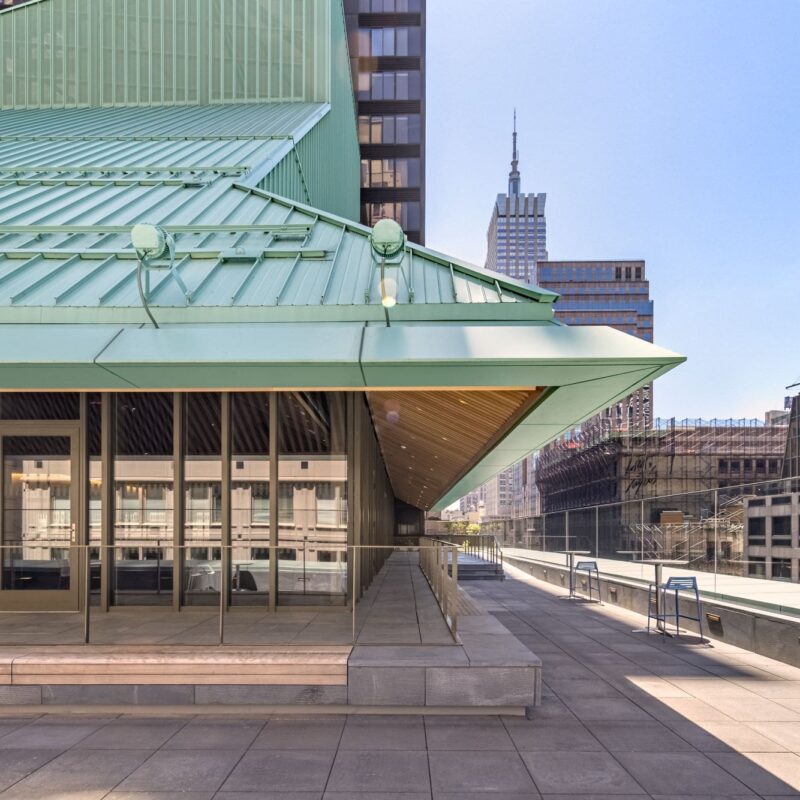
430 439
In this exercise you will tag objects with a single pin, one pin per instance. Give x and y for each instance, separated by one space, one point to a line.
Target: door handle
74 532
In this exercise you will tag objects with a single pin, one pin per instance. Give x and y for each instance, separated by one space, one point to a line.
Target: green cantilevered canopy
281 295
250 170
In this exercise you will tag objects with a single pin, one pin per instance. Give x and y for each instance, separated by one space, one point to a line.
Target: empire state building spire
513 176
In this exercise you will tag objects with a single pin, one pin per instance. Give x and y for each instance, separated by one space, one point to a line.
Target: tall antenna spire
514 155
514 176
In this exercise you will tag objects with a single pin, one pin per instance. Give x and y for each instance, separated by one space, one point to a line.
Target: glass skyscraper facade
613 293
387 56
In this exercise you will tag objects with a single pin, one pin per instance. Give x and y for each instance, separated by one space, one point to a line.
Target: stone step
476 572
300 666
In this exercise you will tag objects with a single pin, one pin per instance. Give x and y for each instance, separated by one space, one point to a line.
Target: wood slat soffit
430 439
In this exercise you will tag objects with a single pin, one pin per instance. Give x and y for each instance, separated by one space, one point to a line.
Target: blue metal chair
676 585
593 575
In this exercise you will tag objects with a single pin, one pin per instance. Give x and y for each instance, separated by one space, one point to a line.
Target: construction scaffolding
676 490
791 462
600 465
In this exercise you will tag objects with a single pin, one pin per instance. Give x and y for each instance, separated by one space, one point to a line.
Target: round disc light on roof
387 238
149 239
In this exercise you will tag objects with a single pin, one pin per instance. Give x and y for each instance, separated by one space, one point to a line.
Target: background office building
516 241
517 236
773 523
613 293
387 57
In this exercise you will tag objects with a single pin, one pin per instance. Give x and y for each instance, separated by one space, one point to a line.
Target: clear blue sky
668 131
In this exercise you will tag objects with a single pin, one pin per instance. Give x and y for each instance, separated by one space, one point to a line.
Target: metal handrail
438 562
481 545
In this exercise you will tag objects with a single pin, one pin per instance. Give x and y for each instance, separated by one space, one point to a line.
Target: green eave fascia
585 369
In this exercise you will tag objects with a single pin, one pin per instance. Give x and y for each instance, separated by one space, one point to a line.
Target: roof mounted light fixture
155 250
151 241
388 245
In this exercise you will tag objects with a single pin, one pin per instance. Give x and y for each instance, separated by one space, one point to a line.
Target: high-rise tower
387 57
517 236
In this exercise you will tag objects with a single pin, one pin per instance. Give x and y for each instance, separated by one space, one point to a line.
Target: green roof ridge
493 278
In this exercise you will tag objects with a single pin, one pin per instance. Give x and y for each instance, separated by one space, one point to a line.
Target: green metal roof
255 120
148 146
244 254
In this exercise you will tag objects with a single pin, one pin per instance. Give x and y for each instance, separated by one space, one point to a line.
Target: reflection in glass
143 497
250 504
389 129
37 512
312 502
39 405
203 498
93 437
407 214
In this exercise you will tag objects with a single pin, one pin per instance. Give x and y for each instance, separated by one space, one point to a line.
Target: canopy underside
462 401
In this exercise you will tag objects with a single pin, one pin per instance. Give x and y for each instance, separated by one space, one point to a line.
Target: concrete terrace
623 715
404 655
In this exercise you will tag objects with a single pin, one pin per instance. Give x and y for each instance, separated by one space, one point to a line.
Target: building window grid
396 41
389 129
390 173
389 85
406 213
389 6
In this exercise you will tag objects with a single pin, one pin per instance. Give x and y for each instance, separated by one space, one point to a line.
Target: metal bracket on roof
333 265
453 281
300 170
151 244
227 254
283 229
408 279
242 253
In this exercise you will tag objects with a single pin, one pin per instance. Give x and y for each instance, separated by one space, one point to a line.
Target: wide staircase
474 568
479 558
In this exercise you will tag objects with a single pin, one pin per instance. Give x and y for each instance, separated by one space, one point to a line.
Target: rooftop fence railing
742 541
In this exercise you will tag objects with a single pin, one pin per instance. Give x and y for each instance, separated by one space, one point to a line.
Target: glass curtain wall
143 498
39 503
250 494
312 499
266 473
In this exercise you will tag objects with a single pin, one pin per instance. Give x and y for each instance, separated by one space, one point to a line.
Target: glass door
38 517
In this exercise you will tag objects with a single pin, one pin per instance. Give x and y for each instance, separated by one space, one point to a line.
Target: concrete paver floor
624 716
